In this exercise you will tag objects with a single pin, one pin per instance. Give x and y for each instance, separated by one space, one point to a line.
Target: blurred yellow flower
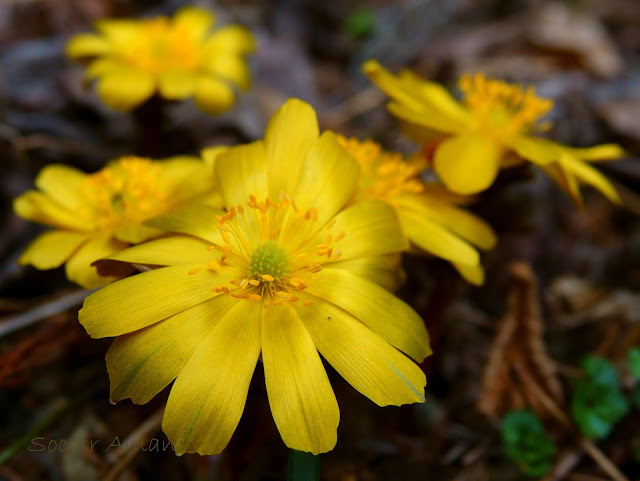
430 216
95 215
283 272
177 57
493 126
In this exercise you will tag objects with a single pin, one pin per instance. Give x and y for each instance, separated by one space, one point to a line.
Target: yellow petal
210 154
176 85
62 183
144 362
370 228
168 251
231 67
141 300
461 222
135 234
378 309
383 270
434 238
423 124
124 89
363 358
118 30
589 175
101 66
78 267
86 45
241 172
390 84
196 21
467 164
230 39
38 207
327 179
599 152
537 150
472 274
419 102
208 397
291 132
196 219
51 249
190 177
565 180
438 98
302 402
213 96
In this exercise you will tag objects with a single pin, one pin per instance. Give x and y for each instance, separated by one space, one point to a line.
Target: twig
357 104
124 455
57 408
43 311
603 461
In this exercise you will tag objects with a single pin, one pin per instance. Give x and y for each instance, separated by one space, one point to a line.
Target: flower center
383 174
276 249
503 108
270 259
129 190
161 46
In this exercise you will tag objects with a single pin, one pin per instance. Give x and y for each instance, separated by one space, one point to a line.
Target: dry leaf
559 27
519 373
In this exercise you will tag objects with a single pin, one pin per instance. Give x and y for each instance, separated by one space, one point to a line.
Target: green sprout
525 441
360 23
634 362
598 403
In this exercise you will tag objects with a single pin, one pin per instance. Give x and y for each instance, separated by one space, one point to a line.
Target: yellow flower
428 213
493 126
178 57
95 215
282 273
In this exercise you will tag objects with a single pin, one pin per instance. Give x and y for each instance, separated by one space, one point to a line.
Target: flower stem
303 466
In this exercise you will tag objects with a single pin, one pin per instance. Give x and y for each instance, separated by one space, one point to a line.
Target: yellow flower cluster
177 57
281 250
494 125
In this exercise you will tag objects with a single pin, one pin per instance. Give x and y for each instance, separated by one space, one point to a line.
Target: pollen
501 106
383 174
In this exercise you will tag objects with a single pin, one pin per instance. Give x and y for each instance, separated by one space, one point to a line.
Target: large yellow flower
430 216
94 215
178 57
282 273
493 126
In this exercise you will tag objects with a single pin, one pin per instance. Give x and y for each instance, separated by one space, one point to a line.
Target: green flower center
269 258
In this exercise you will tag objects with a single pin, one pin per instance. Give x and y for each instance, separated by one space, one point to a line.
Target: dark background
583 54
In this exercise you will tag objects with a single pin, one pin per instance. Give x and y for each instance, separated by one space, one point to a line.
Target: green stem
303 466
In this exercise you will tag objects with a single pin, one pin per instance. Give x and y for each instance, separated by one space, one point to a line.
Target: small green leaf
634 362
598 403
360 23
525 441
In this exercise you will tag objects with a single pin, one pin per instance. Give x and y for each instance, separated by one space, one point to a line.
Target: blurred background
577 279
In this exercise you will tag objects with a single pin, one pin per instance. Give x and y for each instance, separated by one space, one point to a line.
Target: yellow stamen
500 107
383 174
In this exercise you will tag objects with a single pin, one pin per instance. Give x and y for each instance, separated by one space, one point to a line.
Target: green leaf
360 23
598 403
634 362
525 441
